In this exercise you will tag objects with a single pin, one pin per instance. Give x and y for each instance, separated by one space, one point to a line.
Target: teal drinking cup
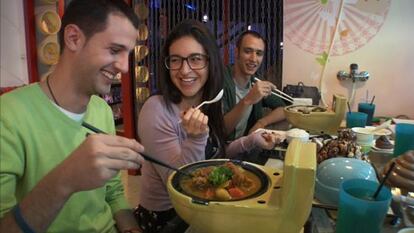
358 211
356 119
404 138
369 109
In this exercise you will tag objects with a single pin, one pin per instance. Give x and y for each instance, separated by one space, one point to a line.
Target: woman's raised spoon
217 98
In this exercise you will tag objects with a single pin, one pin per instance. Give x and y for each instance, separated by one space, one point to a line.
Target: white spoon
217 98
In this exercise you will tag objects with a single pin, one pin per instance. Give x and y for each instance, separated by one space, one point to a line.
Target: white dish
296 133
369 130
385 151
382 132
406 230
404 121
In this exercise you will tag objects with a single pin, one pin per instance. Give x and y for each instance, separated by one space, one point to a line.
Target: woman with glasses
172 129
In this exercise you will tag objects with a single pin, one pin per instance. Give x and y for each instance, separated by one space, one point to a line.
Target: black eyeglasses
195 61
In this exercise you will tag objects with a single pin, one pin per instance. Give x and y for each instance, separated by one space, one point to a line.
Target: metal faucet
354 75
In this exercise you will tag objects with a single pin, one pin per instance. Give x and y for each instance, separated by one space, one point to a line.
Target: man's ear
73 37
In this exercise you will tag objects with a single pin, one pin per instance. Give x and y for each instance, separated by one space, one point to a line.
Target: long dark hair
91 16
214 83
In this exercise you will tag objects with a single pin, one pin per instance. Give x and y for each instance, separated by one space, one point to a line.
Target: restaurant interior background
319 39
375 34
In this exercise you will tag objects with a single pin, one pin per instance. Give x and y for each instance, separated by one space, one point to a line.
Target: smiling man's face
250 55
106 54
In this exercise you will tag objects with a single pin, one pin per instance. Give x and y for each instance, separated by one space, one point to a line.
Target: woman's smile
189 81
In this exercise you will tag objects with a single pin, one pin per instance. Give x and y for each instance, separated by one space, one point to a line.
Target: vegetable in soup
221 183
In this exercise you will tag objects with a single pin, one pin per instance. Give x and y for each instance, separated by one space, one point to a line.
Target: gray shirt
240 94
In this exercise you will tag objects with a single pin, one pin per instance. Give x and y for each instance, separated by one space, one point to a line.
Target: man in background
244 96
54 177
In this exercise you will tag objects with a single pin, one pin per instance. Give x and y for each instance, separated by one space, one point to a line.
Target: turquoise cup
358 211
356 119
404 138
369 109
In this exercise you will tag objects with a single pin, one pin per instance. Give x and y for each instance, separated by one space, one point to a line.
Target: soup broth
227 182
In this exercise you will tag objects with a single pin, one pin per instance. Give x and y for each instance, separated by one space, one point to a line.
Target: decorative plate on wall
142 93
142 32
48 22
141 74
142 11
48 51
141 51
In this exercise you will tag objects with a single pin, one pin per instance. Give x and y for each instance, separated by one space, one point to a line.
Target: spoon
217 98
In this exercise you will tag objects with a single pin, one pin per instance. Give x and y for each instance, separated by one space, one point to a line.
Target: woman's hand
266 140
194 122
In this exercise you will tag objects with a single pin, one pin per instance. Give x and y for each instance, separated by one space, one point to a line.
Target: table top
324 216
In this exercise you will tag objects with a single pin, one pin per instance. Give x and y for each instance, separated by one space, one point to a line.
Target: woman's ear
73 37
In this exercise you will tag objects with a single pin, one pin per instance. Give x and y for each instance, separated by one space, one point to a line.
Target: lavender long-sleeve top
164 138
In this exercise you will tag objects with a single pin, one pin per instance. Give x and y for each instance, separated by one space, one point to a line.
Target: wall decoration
142 93
142 32
311 25
48 22
141 51
141 74
49 51
142 11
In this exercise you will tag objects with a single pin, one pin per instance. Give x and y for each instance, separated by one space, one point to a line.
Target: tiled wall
13 48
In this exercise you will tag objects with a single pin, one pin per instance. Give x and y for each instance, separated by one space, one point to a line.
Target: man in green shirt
53 176
244 97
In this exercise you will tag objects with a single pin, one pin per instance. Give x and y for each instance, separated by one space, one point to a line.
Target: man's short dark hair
249 32
91 16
